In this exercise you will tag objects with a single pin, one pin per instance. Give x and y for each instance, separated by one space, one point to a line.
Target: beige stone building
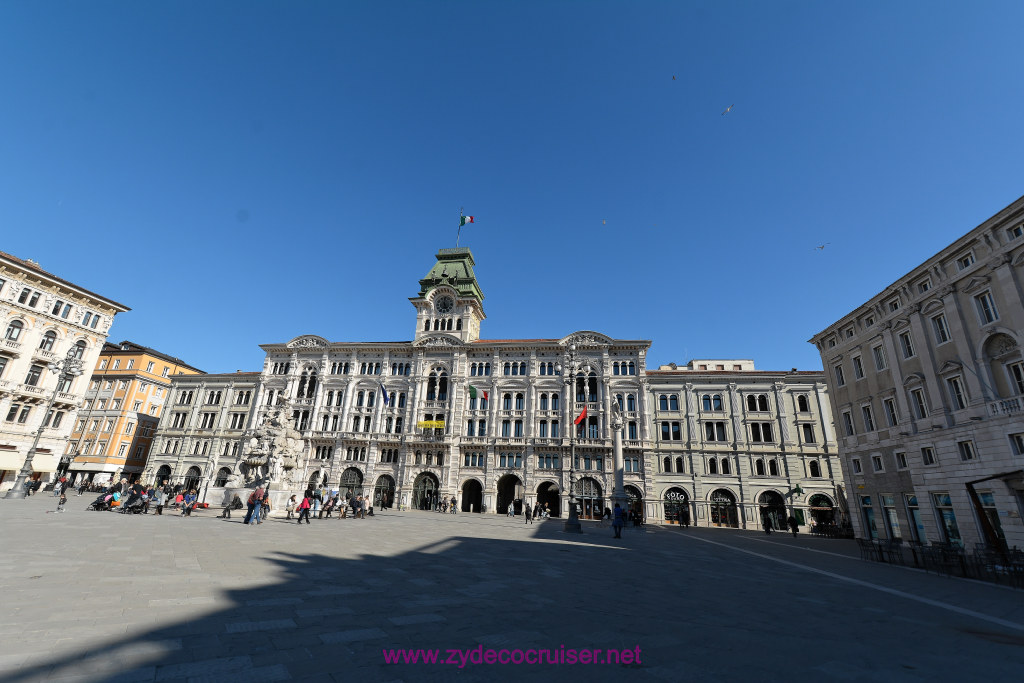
43 317
927 386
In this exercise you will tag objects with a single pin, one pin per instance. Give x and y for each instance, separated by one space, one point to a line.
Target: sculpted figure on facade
274 449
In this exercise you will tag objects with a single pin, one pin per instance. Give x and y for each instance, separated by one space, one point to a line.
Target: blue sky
242 173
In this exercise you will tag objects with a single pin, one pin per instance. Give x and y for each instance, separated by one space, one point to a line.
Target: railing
43 353
12 345
436 405
65 396
29 389
1009 406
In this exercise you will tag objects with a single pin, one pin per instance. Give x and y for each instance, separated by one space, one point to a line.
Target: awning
42 462
92 467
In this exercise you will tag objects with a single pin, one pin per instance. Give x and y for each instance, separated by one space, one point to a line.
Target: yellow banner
430 424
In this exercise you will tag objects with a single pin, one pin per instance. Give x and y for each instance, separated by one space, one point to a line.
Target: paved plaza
101 596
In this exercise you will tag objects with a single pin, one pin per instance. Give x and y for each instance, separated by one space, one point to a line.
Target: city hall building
495 423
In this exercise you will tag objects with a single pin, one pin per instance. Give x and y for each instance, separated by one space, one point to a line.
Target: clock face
444 304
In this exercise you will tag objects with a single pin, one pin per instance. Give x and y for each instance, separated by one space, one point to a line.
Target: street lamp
66 368
572 363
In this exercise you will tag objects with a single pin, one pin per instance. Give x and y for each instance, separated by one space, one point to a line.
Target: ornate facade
43 317
927 385
492 423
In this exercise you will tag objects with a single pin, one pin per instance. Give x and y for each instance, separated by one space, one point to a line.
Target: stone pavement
101 596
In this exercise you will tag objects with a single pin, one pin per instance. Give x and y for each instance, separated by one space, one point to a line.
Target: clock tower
450 301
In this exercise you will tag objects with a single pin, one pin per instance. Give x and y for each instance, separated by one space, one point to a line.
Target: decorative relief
445 341
998 260
1001 344
307 343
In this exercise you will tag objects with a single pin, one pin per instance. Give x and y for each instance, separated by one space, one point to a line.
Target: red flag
485 395
581 416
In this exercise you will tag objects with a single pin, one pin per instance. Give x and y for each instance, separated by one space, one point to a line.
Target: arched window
630 402
773 468
369 398
618 400
581 388
554 403
222 476
801 404
667 464
522 368
472 370
725 465
432 387
679 464
592 386
762 403
519 401
815 468
79 349
716 402
712 466
14 330
752 402
458 324
615 368
401 400
442 387
663 402
426 325
359 399
506 369
543 401
705 402
673 402
506 402
46 343
759 467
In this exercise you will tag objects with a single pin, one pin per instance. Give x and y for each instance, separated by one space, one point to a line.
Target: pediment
900 324
586 338
438 340
913 379
975 283
1019 258
950 366
933 306
308 341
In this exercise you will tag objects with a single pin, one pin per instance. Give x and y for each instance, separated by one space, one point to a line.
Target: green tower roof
454 268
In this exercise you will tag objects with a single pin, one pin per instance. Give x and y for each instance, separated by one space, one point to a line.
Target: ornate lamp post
68 367
572 363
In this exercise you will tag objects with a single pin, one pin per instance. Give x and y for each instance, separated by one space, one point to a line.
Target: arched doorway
163 475
510 492
635 499
222 476
773 510
314 480
589 501
547 496
823 512
677 507
384 492
723 509
351 484
192 477
424 491
472 495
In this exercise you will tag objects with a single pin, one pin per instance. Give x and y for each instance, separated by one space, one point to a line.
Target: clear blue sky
242 173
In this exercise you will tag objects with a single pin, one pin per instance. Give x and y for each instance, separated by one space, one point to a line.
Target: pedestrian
793 524
159 497
292 505
317 501
455 504
304 509
512 509
527 514
253 504
767 525
64 499
264 506
617 521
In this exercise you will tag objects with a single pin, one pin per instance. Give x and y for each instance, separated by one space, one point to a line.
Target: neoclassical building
490 422
926 379
43 317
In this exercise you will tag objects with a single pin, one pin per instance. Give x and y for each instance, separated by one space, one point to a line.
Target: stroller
133 506
102 503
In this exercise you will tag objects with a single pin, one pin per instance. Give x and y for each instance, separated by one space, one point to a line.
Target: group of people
538 511
445 505
791 522
319 502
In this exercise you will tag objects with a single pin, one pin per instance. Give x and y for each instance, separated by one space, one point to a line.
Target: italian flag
581 417
465 219
473 390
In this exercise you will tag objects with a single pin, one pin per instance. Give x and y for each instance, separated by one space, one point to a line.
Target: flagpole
459 234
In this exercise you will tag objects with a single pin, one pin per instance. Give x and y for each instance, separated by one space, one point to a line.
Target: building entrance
773 510
424 491
510 492
472 495
723 509
589 501
547 496
384 492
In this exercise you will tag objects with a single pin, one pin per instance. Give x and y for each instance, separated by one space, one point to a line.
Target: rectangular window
869 422
966 449
876 463
840 380
924 286
941 329
891 416
34 373
986 308
901 461
855 464
858 369
129 428
917 400
137 406
879 353
848 423
894 305
1016 371
131 363
965 261
928 455
907 345
956 393
809 434
1011 233
149 366
1017 443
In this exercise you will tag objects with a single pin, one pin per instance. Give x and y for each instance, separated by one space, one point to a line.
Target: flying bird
821 247
728 109
673 78
604 222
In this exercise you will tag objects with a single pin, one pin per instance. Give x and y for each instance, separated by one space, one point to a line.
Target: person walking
617 520
767 525
454 504
292 506
304 510
253 504
264 506
793 525
159 497
527 514
512 509
64 499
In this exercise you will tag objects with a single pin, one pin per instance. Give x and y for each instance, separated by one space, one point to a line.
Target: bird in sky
604 222
728 109
821 247
673 78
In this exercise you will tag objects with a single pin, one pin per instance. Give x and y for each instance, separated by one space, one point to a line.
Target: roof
111 349
735 373
33 267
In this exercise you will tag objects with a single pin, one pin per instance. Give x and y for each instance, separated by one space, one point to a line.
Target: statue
274 449
616 415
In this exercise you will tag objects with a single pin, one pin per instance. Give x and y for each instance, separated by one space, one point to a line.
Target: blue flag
385 392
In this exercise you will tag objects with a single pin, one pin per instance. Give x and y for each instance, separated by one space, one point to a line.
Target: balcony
12 346
435 405
1010 406
30 390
